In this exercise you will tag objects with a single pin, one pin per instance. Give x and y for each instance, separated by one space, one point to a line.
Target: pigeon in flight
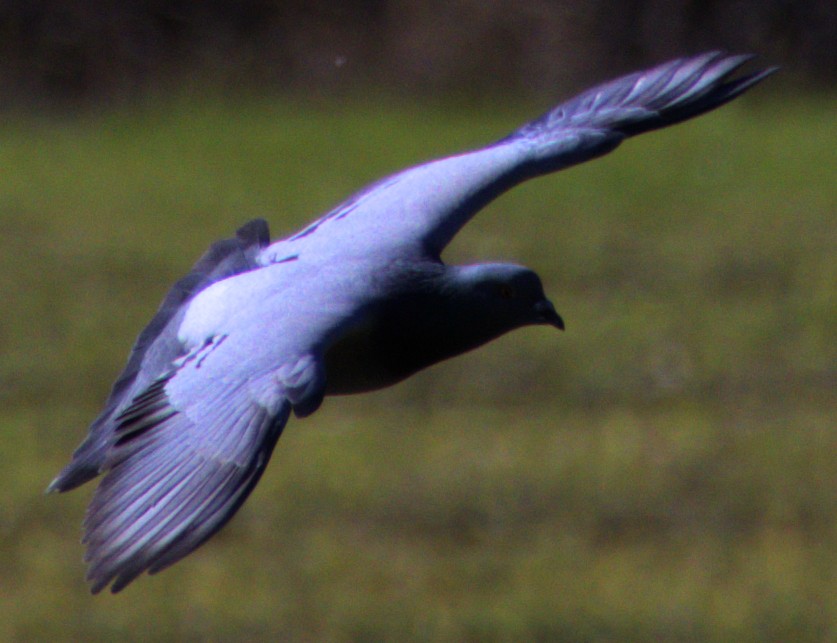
356 301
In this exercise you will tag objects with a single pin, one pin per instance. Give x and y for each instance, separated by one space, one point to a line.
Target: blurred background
56 51
664 470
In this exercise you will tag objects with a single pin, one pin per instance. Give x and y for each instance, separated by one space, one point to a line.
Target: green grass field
665 470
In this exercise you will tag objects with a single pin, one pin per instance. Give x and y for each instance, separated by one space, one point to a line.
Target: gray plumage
356 301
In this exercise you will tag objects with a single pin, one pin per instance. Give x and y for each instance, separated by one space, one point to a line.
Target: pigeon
356 301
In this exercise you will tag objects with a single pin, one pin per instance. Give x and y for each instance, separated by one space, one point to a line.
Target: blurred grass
664 470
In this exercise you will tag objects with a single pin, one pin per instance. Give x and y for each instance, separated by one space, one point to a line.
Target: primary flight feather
356 301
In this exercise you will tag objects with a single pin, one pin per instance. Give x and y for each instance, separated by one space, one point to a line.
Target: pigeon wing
184 457
418 211
158 346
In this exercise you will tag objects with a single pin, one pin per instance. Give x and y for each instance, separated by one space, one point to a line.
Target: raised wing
419 211
157 346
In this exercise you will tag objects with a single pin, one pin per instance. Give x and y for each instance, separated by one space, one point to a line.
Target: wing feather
157 346
170 484
421 209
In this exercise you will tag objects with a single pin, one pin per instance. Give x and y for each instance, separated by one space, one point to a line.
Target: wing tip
712 83
56 486
75 474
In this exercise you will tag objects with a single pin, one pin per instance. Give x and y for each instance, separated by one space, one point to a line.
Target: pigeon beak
547 315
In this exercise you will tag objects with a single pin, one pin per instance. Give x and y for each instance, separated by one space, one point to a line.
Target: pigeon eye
505 291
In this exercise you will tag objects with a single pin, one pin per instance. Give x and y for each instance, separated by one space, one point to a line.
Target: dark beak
547 315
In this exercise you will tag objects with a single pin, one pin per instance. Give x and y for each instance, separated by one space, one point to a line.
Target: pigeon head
463 308
445 311
498 297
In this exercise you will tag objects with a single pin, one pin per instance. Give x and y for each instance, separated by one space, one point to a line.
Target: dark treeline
59 50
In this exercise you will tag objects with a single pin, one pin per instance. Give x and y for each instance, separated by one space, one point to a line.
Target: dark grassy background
664 470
